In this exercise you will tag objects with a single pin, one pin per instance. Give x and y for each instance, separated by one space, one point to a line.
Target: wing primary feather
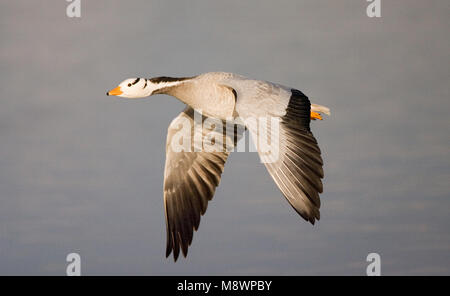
298 170
190 179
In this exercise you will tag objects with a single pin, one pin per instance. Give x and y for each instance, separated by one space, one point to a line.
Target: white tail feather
320 108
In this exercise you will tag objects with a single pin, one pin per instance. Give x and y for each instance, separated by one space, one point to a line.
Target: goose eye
129 84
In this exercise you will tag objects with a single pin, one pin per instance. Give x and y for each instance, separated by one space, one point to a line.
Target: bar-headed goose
191 175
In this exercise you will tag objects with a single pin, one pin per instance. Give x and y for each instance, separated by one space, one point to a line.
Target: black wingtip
175 256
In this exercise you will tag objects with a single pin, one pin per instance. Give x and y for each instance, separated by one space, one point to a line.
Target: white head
142 87
133 88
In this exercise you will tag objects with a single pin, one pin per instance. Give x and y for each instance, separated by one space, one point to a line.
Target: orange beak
115 92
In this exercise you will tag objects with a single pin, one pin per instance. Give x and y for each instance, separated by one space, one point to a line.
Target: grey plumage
297 170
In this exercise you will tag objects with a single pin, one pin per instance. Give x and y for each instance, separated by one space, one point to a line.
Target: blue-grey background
82 172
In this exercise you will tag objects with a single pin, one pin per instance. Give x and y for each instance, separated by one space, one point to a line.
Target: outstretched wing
296 167
190 177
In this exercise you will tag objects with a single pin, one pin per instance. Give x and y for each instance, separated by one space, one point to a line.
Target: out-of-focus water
82 172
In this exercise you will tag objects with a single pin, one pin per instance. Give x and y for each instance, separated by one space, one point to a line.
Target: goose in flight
192 175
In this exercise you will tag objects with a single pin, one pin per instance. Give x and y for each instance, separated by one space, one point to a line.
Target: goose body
191 175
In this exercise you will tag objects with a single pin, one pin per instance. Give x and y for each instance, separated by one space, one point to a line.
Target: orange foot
315 115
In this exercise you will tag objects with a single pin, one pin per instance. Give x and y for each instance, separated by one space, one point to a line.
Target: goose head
133 88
